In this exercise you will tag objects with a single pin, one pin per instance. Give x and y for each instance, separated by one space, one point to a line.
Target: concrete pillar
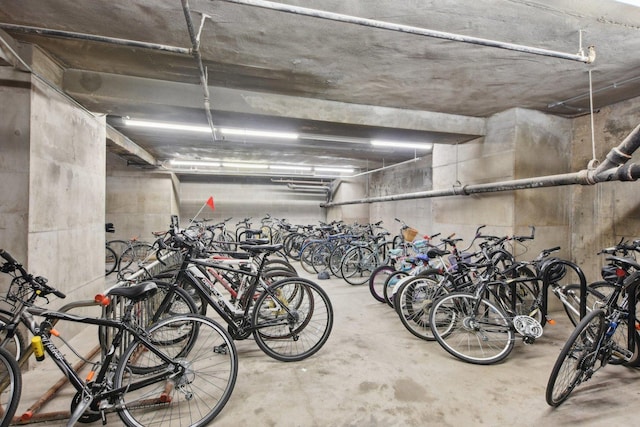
53 168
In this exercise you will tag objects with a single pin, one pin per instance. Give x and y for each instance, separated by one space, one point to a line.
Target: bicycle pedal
220 349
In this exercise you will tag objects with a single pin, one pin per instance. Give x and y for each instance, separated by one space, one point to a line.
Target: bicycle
596 342
479 327
290 319
173 367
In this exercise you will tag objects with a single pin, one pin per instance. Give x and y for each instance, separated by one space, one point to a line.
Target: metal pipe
415 30
195 41
90 37
614 168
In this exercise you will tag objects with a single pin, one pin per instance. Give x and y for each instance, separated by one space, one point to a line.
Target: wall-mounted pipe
580 57
614 168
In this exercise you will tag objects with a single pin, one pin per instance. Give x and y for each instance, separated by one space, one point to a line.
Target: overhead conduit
614 168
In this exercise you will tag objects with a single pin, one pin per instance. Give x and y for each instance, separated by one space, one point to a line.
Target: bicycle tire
18 343
167 301
111 260
354 268
392 282
10 386
335 259
296 323
192 398
135 253
575 358
413 303
306 257
377 281
475 331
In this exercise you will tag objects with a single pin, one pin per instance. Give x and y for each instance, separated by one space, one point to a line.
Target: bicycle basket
18 292
409 234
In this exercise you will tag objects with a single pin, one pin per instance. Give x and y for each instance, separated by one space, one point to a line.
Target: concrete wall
138 202
406 178
603 214
350 189
243 197
53 179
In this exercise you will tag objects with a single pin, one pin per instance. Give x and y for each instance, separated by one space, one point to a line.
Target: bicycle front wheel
578 356
190 390
473 330
292 319
10 387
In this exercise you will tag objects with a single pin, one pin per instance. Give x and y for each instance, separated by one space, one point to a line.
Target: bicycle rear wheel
10 387
576 358
292 319
413 303
197 383
475 331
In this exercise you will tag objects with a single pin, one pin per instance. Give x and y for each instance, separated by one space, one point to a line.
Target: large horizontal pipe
91 37
614 168
414 30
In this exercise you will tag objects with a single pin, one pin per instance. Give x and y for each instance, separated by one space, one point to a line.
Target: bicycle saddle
135 292
256 249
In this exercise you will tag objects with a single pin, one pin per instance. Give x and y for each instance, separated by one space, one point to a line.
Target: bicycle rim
575 359
293 320
475 331
191 398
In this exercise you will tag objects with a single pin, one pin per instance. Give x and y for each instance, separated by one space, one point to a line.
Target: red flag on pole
210 203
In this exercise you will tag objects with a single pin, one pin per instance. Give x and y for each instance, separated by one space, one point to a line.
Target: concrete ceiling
337 84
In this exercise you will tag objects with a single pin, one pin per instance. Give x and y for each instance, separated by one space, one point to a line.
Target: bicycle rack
583 284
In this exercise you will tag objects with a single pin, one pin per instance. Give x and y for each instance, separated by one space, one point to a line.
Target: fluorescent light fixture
207 129
167 126
329 169
196 163
399 144
290 167
332 138
268 134
245 165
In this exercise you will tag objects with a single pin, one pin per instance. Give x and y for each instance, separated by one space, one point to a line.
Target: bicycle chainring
527 326
91 415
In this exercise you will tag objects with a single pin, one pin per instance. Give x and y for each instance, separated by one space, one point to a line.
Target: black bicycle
290 318
606 335
179 371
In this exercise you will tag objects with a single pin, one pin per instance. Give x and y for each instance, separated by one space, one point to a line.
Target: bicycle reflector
101 299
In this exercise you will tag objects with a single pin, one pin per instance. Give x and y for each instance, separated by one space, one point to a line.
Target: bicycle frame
98 389
237 319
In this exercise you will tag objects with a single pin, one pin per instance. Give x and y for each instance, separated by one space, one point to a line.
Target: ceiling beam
96 88
129 150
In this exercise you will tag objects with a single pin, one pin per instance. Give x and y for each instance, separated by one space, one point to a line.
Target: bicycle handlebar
38 284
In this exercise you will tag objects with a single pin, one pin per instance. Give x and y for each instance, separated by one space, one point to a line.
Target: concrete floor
372 372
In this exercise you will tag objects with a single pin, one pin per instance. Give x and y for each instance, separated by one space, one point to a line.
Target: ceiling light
399 144
334 138
290 167
202 163
167 126
268 134
329 169
245 165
